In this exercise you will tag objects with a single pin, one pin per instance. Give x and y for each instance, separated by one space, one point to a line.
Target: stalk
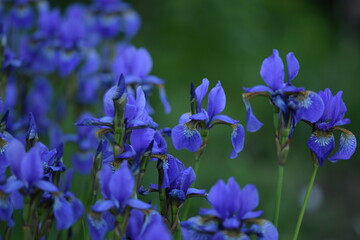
306 199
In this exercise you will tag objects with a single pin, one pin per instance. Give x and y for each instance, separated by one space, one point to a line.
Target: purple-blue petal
216 100
97 226
293 66
265 230
31 166
184 137
310 107
201 116
201 92
63 213
252 123
249 199
122 183
184 118
102 205
225 119
217 198
321 144
272 71
346 149
258 88
138 204
237 140
14 153
196 191
164 100
104 178
140 139
46 186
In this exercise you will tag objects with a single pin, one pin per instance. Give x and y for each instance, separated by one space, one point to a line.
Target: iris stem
278 194
306 199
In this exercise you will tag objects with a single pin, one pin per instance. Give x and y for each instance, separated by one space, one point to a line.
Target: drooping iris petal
252 123
46 186
225 119
63 213
184 137
102 205
201 92
346 149
321 143
310 107
258 88
293 66
272 71
6 210
198 228
184 180
223 235
97 226
138 204
237 140
216 100
265 230
122 183
164 100
155 229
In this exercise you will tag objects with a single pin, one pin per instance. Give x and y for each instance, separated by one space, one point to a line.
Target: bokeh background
228 40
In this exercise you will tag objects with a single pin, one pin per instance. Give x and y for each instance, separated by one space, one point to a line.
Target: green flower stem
306 199
278 194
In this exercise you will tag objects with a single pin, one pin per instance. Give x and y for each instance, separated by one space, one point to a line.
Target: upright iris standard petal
272 71
346 149
321 143
216 101
31 166
104 178
183 136
14 153
237 140
140 139
201 92
108 101
122 183
217 197
249 199
293 66
252 123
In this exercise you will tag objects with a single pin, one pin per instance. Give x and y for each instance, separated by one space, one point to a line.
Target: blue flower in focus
294 103
232 215
322 140
193 129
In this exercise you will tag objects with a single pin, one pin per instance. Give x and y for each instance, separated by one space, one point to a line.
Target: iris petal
184 137
293 65
252 123
216 100
201 92
272 71
347 147
321 143
237 139
310 107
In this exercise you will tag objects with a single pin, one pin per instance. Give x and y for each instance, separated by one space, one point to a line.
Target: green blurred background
227 40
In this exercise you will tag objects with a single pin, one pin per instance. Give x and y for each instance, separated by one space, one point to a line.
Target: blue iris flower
192 131
322 140
294 103
232 215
